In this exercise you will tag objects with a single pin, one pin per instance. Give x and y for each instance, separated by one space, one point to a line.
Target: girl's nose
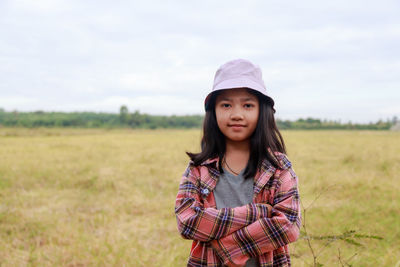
236 116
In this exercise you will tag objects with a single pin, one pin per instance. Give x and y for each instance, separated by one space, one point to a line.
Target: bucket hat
239 73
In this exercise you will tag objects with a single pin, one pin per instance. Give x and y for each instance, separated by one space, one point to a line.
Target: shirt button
197 209
205 191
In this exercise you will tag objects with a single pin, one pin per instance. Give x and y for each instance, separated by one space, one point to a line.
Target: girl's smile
236 127
237 111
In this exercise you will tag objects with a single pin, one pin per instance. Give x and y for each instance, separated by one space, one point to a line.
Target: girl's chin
237 139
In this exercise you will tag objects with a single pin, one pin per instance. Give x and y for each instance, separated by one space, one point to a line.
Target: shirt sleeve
205 224
265 234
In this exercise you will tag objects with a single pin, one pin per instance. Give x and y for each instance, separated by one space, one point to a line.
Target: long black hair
265 137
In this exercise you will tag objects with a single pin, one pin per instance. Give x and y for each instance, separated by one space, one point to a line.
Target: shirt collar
210 161
264 173
262 176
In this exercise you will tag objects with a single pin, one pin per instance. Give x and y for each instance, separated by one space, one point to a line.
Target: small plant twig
340 258
345 262
348 236
307 236
318 196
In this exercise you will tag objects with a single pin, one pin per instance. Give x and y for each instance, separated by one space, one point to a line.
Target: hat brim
266 98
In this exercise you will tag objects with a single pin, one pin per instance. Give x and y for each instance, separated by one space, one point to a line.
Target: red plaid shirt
230 236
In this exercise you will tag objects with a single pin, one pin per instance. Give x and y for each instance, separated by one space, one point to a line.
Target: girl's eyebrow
248 99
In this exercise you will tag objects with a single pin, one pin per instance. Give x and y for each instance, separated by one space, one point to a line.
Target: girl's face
237 113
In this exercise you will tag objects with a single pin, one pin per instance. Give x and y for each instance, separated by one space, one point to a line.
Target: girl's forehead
236 92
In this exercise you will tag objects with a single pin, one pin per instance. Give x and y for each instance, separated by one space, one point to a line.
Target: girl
238 199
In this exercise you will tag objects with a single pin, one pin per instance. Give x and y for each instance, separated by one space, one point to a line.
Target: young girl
238 199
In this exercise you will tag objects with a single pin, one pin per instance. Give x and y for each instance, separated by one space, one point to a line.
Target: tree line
126 119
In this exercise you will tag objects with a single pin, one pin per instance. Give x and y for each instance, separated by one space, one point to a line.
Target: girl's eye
248 105
225 105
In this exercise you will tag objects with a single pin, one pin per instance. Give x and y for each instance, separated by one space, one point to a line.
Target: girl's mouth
236 127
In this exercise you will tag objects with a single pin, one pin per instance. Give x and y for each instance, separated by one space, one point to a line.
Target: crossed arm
206 224
236 234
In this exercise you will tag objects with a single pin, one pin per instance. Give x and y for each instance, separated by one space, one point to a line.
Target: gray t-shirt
234 191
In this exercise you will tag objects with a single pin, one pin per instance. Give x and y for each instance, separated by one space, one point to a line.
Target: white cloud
157 104
42 6
17 101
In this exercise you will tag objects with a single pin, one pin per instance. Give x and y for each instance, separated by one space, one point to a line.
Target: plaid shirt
229 236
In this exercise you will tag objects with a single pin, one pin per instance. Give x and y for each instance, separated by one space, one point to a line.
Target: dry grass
75 197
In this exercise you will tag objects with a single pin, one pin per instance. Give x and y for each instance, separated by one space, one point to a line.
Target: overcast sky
321 59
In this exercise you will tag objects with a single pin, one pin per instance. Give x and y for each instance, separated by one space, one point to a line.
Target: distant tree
136 119
41 118
124 114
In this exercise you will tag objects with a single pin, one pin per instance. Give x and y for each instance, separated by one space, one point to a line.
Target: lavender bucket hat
239 73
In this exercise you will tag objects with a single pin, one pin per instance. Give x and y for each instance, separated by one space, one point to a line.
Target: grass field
76 197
